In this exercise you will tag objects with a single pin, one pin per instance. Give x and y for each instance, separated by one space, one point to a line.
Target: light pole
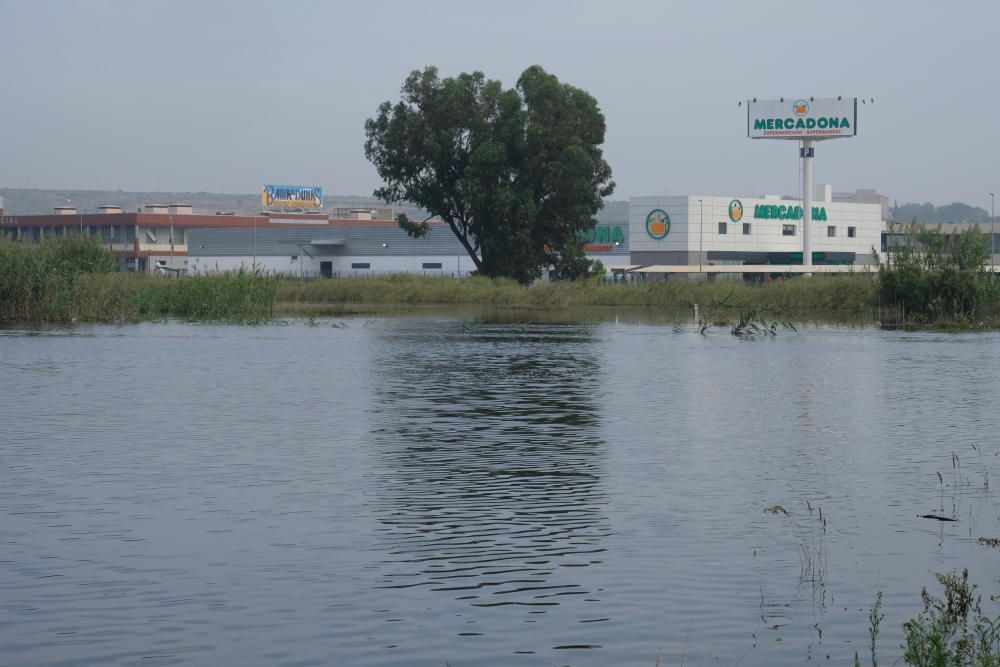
701 232
993 235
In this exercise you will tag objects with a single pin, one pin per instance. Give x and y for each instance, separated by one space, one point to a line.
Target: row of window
368 265
788 230
106 234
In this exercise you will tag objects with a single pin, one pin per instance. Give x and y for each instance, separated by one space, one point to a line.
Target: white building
705 231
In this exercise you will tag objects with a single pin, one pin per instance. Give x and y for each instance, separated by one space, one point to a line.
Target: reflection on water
489 462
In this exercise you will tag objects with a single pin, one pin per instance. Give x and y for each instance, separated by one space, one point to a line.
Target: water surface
422 489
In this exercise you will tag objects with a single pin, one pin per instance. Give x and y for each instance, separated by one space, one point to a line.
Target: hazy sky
225 96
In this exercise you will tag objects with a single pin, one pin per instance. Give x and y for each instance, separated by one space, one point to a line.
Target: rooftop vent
64 210
156 208
179 209
108 208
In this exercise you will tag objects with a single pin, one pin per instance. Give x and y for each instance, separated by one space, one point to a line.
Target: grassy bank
840 294
72 279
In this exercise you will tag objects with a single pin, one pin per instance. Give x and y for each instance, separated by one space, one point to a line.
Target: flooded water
424 490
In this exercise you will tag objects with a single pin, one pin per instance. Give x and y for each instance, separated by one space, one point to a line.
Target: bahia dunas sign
802 118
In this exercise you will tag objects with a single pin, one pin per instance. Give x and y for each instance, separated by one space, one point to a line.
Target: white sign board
802 118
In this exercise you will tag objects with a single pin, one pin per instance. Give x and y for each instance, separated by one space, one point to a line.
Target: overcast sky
225 96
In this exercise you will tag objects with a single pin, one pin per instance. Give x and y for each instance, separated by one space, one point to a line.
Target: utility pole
701 233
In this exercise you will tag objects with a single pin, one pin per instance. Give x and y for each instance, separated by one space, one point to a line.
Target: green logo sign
800 123
658 224
773 212
603 235
736 210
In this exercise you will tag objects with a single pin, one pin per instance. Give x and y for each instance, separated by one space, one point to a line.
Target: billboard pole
807 120
807 152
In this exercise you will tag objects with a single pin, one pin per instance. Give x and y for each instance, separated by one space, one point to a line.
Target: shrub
933 276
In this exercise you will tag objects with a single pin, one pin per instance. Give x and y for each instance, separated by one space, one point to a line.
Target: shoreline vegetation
74 280
841 295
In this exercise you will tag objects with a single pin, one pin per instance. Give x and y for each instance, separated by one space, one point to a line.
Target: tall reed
73 279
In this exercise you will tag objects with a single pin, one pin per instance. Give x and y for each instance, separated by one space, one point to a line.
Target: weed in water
811 542
952 632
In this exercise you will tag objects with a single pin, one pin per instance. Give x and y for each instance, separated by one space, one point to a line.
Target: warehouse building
173 238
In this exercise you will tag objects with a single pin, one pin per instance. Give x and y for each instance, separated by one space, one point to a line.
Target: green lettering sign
786 212
759 124
604 235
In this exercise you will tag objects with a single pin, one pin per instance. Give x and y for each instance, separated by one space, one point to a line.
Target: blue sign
292 196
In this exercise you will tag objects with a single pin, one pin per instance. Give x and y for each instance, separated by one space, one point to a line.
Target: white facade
343 265
696 236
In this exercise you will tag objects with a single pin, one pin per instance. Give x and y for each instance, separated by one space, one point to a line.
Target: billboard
802 118
291 196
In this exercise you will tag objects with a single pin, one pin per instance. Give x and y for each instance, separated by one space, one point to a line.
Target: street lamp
993 234
701 232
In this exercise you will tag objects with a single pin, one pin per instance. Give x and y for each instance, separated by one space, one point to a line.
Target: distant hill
40 202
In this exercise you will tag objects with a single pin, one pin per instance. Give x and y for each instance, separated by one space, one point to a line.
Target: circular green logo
736 210
658 223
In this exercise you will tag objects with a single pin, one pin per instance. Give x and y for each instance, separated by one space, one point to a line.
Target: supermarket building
702 232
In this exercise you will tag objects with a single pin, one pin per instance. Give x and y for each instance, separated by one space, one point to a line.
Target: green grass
839 294
238 296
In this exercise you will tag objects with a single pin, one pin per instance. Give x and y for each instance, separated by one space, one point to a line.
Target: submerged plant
810 540
752 322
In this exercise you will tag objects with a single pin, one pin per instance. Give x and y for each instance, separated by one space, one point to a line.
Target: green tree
517 174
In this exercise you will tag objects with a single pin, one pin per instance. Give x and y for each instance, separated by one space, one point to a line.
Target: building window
831 231
432 265
852 232
361 265
722 228
788 230
746 229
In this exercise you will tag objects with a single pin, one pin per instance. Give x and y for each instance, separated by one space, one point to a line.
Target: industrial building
663 235
173 238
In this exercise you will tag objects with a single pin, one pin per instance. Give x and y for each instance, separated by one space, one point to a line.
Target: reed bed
239 296
841 294
73 279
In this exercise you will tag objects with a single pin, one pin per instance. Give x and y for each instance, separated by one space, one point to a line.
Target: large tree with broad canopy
517 174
